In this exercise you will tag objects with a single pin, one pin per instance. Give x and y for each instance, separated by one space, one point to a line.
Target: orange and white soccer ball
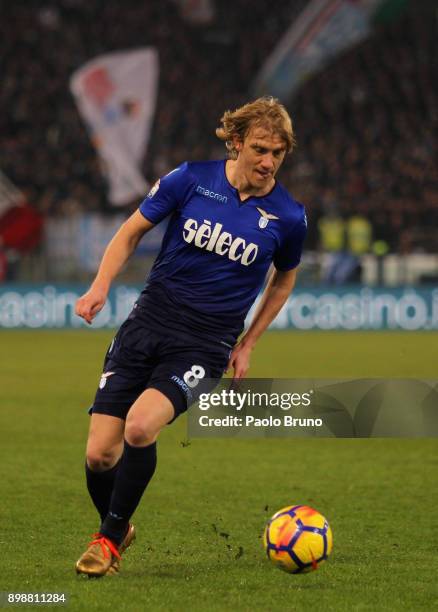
298 539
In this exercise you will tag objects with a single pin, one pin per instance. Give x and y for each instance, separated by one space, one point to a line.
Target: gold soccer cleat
99 557
126 543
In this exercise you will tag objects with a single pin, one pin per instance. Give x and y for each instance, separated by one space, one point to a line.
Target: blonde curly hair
265 112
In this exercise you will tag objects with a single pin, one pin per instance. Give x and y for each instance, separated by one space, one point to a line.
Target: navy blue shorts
177 364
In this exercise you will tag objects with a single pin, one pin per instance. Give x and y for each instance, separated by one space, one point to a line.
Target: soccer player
229 221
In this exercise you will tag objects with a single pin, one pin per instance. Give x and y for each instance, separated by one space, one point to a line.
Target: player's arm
116 254
274 297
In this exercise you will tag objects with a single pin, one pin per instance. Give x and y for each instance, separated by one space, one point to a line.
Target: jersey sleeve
288 255
167 194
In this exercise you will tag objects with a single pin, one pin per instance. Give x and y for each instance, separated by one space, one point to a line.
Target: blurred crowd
45 148
367 126
368 137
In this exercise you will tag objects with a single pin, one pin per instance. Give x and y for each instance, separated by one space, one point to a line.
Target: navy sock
100 487
136 468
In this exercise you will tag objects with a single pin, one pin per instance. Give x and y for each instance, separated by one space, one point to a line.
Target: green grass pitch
201 520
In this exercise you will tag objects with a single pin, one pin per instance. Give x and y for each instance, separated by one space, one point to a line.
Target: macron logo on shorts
210 238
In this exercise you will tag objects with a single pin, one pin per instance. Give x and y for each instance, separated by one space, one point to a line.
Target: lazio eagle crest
265 218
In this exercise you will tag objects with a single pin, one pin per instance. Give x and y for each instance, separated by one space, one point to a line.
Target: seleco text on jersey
223 243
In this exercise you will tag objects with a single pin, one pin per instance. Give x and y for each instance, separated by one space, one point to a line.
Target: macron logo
183 386
210 194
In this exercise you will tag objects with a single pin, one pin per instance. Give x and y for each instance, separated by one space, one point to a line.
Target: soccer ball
297 539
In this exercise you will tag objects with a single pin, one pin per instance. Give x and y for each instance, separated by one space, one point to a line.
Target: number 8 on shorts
193 376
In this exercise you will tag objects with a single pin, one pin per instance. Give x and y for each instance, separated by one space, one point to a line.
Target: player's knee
99 460
139 434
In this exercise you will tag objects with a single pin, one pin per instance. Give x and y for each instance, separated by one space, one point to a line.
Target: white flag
10 195
116 95
321 31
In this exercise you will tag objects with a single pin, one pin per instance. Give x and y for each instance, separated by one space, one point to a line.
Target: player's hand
89 304
239 360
